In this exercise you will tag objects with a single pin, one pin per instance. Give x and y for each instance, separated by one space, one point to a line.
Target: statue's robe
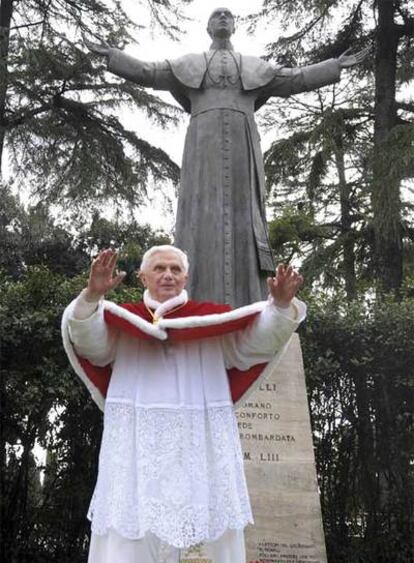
221 220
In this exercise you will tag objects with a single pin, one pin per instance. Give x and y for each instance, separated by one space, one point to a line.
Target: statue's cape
190 71
193 321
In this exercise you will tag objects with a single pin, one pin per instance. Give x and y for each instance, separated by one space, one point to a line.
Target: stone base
276 437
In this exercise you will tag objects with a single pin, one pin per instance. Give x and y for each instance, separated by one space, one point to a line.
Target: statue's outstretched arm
290 81
148 74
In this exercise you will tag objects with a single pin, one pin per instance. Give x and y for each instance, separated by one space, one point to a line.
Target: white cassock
171 483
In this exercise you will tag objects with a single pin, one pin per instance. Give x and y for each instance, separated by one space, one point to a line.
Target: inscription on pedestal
274 427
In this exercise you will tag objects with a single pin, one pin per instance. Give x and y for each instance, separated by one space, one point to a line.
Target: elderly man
221 212
171 481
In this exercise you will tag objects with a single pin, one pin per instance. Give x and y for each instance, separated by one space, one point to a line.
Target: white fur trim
159 331
214 319
67 344
295 312
153 330
135 320
161 308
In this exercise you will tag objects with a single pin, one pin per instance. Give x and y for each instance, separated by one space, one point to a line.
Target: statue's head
221 23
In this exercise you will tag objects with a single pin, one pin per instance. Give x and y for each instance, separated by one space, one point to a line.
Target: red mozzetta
192 321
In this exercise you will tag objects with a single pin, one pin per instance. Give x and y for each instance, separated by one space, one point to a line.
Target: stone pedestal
276 438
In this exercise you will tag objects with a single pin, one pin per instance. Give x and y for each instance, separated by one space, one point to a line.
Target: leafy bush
359 363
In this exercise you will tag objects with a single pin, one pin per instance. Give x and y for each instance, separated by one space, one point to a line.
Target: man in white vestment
167 373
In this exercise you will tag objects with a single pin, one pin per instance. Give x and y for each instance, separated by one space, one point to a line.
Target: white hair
163 248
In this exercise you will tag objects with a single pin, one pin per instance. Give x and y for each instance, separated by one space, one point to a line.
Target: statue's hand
284 286
101 48
347 60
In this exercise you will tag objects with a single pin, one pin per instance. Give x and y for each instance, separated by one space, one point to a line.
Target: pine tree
58 106
325 29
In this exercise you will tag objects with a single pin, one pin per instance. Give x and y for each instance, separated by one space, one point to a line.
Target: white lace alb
175 472
171 461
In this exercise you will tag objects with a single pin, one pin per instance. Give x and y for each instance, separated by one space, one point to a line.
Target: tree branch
75 87
406 106
72 106
305 30
405 15
27 25
407 29
25 116
58 101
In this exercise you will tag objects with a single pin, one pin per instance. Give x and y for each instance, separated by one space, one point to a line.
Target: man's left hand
284 286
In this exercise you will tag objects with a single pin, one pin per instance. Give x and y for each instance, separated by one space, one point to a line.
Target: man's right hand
101 275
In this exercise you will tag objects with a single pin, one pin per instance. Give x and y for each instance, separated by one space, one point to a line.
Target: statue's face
221 23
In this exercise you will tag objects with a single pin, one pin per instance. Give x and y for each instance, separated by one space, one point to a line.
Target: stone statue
221 212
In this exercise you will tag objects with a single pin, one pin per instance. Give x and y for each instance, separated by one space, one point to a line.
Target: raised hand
101 275
101 48
284 286
347 60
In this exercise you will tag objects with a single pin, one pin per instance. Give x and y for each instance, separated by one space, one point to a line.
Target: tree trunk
6 11
367 457
386 181
346 221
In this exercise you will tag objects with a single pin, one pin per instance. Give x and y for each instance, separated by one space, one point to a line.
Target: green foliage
288 231
43 507
43 403
57 114
321 170
35 383
322 157
359 360
32 237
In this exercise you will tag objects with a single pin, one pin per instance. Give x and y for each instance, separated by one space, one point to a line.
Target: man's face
165 276
221 23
